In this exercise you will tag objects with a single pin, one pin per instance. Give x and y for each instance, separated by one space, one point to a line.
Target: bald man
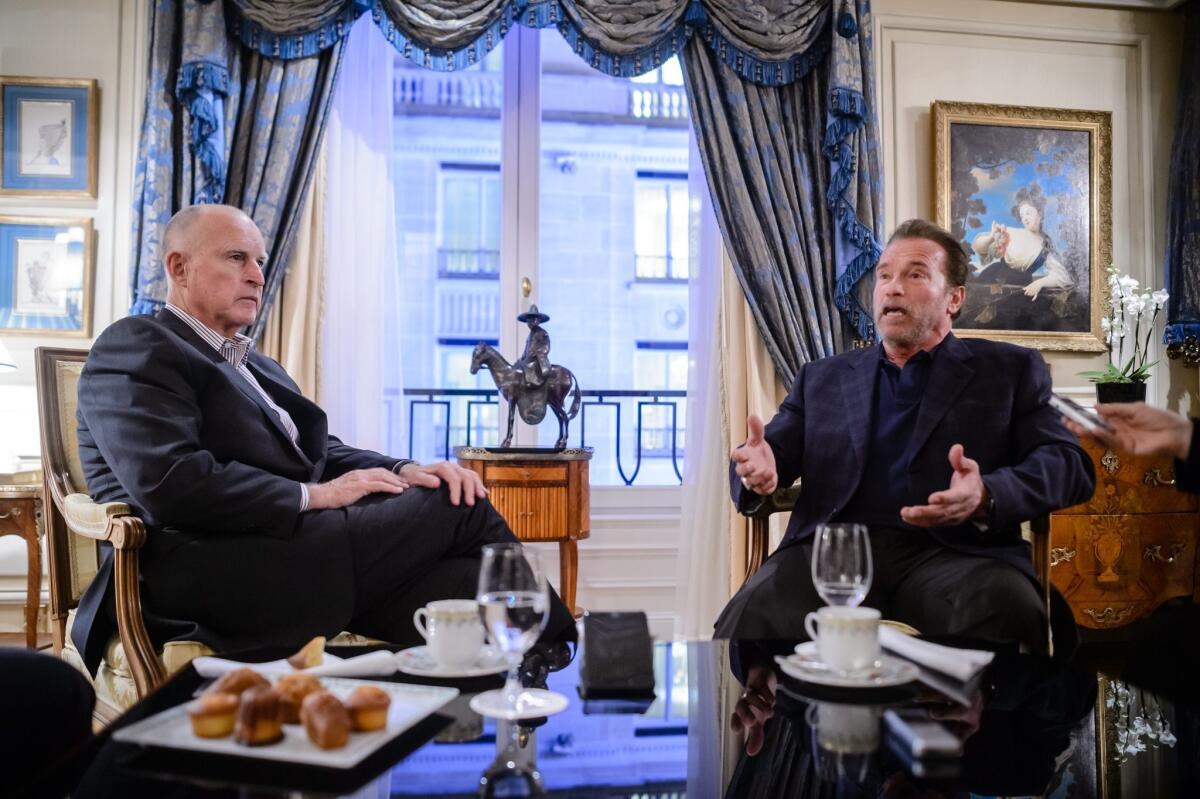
263 528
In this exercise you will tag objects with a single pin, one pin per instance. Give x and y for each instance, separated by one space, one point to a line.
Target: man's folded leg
950 593
412 548
772 604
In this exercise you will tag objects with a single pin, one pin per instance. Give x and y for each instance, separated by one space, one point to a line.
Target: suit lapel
311 422
181 328
858 396
950 374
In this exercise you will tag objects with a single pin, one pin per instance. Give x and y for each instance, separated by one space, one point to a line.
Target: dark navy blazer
991 397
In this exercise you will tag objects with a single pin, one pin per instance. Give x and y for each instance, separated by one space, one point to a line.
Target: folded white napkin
372 664
961 664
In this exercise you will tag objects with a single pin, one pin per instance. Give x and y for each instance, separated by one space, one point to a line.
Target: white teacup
452 631
847 638
846 729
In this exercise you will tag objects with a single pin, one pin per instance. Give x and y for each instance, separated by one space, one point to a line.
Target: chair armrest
782 499
92 519
116 523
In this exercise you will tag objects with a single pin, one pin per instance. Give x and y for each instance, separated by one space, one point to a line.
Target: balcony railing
477 263
435 420
421 91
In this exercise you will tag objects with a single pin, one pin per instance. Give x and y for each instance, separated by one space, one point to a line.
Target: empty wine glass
841 563
513 602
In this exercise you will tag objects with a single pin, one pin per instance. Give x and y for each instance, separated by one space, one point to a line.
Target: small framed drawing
46 274
1028 192
48 133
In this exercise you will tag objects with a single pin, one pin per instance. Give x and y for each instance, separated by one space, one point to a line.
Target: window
469 221
556 194
661 217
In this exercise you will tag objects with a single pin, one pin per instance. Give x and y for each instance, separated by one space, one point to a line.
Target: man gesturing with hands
941 446
262 529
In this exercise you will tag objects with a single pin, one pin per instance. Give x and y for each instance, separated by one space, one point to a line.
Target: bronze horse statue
530 400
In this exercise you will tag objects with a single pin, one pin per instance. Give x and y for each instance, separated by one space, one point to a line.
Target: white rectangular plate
410 703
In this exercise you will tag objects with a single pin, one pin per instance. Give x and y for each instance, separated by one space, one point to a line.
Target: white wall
1011 53
101 39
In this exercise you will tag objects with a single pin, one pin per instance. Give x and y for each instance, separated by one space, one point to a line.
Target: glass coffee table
1030 727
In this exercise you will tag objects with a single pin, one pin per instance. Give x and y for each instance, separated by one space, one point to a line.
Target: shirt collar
235 351
923 355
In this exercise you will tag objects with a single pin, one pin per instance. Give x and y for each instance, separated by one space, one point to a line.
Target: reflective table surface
727 722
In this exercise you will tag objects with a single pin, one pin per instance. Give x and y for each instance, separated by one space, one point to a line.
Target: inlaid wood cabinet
544 496
1130 547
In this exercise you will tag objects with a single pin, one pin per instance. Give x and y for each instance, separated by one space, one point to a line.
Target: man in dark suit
941 445
263 528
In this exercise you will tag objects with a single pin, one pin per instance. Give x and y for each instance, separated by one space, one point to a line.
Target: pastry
310 655
325 719
368 706
212 715
292 689
237 681
259 718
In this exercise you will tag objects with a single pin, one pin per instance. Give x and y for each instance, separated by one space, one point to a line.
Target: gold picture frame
1028 192
49 134
47 273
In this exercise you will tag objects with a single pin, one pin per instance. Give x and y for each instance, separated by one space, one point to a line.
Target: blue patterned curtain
793 172
238 93
1183 205
223 123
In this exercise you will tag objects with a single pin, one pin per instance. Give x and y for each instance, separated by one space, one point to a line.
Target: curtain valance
771 43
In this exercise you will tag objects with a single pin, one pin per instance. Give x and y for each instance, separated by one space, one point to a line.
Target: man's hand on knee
962 501
353 486
463 484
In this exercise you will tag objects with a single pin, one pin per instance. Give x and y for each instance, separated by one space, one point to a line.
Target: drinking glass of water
841 563
513 602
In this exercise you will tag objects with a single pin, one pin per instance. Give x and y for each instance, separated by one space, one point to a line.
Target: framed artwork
46 275
48 133
1028 192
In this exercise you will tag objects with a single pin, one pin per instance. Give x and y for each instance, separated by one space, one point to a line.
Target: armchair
75 528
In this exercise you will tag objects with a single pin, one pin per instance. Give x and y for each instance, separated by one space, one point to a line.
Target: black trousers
916 581
412 548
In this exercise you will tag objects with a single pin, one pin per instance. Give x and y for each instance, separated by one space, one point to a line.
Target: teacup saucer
418 662
533 703
807 665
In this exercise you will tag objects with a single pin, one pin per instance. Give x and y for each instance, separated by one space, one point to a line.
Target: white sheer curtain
702 567
361 288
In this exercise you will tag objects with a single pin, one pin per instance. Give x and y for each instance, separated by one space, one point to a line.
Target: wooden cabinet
543 495
20 514
1130 547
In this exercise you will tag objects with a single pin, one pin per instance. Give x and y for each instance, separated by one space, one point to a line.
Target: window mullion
520 148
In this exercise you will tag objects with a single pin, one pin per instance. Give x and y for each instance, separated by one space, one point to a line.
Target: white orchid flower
1134 305
1128 284
1160 298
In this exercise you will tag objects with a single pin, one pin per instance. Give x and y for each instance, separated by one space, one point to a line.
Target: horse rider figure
535 360
531 384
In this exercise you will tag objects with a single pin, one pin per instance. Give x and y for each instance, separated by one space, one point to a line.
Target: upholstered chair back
73 559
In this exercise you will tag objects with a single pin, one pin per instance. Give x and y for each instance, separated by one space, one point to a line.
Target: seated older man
941 446
263 528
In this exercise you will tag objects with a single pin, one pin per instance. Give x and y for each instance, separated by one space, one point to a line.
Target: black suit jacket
169 427
988 396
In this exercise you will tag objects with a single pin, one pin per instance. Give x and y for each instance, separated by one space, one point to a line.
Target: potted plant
1128 328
